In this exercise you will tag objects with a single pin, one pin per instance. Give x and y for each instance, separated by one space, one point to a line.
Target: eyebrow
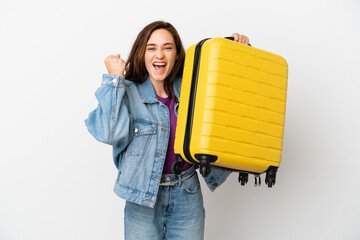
153 44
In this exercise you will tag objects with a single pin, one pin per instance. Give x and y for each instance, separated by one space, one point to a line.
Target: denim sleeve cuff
216 178
113 80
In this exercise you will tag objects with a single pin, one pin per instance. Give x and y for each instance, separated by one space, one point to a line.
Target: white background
56 181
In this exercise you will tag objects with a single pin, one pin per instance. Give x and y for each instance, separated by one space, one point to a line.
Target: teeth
159 64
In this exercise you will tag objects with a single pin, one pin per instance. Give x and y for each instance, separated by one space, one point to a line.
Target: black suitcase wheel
178 166
243 178
204 162
270 182
270 178
205 170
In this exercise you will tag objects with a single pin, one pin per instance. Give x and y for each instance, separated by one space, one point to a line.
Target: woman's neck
159 89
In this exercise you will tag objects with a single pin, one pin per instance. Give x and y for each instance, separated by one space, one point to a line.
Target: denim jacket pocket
191 185
142 127
143 132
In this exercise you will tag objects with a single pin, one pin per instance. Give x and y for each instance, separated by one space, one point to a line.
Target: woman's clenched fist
115 65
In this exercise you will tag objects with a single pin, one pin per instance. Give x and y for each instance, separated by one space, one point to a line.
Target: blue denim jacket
131 119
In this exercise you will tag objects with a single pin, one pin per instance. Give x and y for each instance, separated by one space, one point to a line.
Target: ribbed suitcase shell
239 106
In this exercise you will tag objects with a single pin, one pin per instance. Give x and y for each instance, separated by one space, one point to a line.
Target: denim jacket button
136 129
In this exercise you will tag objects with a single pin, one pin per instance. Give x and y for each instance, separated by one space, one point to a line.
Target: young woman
137 116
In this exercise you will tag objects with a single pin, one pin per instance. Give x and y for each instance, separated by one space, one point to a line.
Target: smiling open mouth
159 65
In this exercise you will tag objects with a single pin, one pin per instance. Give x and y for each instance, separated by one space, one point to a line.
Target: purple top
170 154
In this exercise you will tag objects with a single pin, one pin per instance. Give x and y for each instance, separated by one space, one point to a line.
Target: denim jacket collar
147 91
177 87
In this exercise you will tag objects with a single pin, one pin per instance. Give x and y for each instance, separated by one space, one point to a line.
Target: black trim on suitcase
191 107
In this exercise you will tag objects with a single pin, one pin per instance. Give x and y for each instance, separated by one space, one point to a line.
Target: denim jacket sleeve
110 121
216 177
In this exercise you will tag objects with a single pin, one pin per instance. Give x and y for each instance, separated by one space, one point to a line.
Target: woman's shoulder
128 83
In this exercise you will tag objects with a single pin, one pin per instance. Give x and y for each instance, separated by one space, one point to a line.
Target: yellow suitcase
232 109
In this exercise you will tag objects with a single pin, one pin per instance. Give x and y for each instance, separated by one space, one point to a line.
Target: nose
160 54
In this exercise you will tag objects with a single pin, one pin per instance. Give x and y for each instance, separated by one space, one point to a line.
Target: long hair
135 65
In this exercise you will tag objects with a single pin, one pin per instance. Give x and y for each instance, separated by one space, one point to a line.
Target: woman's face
160 55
